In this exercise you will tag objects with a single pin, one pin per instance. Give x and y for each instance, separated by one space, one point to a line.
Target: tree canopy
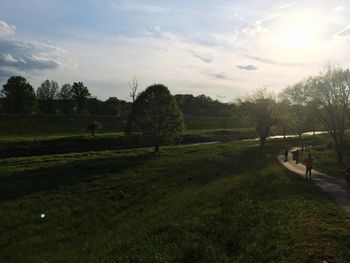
19 96
260 108
329 93
47 95
156 115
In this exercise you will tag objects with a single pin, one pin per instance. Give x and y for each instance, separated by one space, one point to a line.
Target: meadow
228 202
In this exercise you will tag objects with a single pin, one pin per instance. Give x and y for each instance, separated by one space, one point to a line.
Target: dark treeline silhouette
204 106
19 97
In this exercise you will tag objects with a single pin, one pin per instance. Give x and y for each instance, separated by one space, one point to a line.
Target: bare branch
133 89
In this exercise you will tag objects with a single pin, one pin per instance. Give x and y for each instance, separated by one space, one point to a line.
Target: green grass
13 146
213 203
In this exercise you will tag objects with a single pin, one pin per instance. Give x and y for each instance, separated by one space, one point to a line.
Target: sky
223 49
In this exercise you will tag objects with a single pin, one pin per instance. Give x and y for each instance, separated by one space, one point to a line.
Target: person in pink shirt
308 163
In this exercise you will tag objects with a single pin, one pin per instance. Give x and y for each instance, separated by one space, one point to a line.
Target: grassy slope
213 203
11 146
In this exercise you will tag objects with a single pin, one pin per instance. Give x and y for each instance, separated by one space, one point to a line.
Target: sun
300 32
299 36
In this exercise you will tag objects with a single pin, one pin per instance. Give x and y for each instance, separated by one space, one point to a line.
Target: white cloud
25 56
274 62
28 57
9 58
339 15
285 5
139 6
345 32
258 26
6 29
254 28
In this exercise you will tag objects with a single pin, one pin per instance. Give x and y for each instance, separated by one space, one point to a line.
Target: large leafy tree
156 115
47 95
65 98
261 109
329 92
302 113
80 95
19 96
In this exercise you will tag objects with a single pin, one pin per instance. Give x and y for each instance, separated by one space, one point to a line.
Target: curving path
337 189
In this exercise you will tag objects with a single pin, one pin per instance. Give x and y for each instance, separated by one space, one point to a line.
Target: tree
203 106
112 106
301 113
94 106
93 127
299 119
330 95
133 89
261 109
47 95
19 96
156 115
80 95
284 116
65 98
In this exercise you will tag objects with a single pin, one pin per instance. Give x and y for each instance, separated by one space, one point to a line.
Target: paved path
337 189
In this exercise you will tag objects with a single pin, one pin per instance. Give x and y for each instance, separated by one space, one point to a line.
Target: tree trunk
262 140
156 148
339 149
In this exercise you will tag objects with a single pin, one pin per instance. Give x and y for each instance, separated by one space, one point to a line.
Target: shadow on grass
54 177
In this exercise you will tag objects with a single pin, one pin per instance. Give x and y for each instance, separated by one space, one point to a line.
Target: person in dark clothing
308 163
286 155
297 156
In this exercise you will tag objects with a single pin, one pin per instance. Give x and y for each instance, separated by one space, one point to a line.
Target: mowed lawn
228 202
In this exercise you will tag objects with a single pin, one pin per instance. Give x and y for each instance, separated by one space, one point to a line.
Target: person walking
308 163
286 155
297 156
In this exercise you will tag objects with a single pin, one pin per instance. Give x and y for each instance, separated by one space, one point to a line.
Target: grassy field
228 202
13 146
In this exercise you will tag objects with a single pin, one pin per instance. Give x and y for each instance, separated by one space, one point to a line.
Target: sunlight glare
300 33
298 37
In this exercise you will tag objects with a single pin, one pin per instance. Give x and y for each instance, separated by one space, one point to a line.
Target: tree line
320 101
19 97
317 101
